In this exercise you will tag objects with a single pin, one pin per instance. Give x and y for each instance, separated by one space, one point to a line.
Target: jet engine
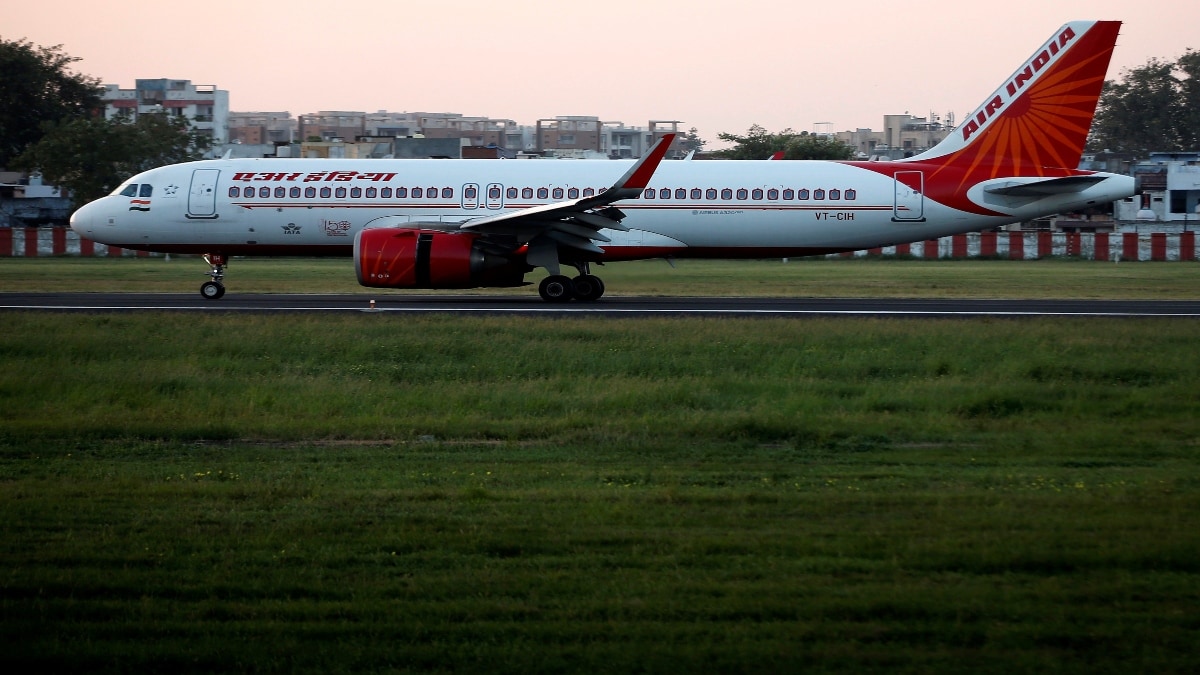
387 257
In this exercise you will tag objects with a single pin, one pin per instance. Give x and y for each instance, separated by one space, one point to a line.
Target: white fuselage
729 209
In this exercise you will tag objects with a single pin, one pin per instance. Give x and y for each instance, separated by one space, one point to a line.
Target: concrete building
332 125
205 107
263 128
1169 194
902 136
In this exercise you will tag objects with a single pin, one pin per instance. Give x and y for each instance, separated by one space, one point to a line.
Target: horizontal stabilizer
1046 187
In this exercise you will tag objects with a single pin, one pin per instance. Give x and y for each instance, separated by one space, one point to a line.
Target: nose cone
84 220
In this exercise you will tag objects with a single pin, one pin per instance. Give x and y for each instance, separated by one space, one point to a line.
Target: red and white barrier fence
60 241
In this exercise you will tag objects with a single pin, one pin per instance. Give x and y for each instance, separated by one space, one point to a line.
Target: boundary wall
32 242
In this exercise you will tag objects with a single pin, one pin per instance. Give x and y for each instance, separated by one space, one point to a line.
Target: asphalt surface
608 306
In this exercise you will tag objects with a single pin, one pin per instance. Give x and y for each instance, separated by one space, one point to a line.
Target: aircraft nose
83 220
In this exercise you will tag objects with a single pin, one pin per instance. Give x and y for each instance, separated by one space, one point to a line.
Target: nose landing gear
213 290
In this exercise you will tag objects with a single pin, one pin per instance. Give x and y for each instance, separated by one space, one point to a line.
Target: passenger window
710 193
280 192
789 194
757 194
401 193
417 193
818 194
235 191
129 191
294 192
802 194
726 194
696 193
447 193
526 193
851 194
310 192
664 193
511 193
264 192
147 190
543 193
493 192
469 192
648 194
680 193
326 192
772 194
355 192
743 193
340 193
835 194
588 192
558 193
372 192
431 192
573 193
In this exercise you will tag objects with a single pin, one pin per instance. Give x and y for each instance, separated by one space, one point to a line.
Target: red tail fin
1038 120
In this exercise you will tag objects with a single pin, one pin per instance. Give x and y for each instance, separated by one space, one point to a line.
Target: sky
719 66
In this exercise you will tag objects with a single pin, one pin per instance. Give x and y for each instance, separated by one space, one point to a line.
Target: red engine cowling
389 257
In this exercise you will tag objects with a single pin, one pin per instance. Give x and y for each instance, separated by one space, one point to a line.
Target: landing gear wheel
587 288
212 290
556 288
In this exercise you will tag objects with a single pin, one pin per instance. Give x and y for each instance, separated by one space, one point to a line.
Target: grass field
809 277
373 492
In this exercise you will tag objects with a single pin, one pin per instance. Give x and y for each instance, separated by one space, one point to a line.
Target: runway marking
622 310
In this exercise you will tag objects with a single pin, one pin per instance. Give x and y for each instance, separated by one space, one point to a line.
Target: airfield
609 307
830 466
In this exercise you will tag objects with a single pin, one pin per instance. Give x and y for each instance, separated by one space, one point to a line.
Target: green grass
375 492
1051 278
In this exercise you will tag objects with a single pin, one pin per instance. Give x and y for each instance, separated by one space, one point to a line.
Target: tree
36 88
93 156
1152 107
758 143
690 141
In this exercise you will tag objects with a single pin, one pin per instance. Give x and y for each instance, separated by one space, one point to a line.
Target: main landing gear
561 288
213 290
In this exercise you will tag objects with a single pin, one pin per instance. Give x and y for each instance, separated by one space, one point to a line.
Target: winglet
638 176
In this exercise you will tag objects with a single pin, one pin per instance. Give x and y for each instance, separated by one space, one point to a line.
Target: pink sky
717 65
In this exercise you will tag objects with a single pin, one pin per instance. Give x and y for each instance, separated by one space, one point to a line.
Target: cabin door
909 205
202 197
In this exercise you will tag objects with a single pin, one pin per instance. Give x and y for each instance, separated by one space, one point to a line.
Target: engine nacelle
389 257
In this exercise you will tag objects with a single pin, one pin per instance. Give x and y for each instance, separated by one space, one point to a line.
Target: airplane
440 224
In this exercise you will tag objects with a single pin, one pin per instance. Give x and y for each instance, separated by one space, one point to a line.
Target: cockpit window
147 190
130 190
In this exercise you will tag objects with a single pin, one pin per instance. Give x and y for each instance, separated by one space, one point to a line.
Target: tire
587 288
212 290
556 288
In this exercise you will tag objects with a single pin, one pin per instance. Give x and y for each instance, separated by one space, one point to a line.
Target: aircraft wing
576 223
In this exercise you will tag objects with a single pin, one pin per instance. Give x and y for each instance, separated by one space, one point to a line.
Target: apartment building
204 105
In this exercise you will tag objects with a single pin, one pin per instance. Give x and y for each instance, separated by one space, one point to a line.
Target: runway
615 306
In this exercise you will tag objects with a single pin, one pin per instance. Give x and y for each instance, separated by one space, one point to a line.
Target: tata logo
1014 86
291 228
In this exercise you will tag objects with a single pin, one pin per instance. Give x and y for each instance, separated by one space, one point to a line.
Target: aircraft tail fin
1039 118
